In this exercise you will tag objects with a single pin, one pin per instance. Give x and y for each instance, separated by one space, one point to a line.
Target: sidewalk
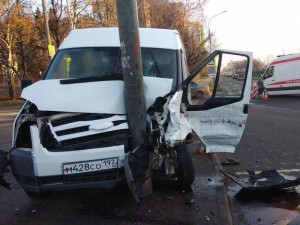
213 196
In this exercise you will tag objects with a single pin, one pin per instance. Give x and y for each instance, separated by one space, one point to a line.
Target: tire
185 170
36 195
199 94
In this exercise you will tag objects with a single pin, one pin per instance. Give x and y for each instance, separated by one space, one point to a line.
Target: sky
263 27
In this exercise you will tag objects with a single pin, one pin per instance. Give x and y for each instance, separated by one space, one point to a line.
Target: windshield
105 62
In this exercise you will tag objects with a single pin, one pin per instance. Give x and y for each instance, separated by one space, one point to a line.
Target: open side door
219 113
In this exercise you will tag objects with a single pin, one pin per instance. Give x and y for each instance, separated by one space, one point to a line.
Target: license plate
90 166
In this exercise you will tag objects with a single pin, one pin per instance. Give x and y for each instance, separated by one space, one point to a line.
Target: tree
105 13
76 8
23 47
258 67
183 16
8 11
58 22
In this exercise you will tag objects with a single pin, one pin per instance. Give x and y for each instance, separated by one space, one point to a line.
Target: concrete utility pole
131 59
132 70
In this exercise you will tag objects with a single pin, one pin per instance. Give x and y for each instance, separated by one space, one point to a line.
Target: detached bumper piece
268 180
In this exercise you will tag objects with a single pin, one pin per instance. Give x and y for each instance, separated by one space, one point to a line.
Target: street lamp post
209 36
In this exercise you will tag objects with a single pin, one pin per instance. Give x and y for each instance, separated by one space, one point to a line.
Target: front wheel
37 195
185 169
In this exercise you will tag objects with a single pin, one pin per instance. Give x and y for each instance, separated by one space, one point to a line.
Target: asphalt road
7 115
270 141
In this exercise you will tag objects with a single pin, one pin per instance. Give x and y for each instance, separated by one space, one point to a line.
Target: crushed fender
168 129
138 173
268 180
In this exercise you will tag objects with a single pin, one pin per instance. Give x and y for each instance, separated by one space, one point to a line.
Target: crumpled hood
90 97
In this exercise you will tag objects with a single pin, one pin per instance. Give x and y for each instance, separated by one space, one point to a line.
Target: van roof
286 58
109 37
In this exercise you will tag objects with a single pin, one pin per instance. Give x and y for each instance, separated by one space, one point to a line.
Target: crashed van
72 131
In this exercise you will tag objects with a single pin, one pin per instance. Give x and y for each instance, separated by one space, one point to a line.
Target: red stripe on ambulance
284 61
287 82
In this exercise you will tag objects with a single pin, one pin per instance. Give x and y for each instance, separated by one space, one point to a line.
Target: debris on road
190 201
229 161
268 180
169 197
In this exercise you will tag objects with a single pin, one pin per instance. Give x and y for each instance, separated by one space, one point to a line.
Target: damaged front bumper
22 165
51 144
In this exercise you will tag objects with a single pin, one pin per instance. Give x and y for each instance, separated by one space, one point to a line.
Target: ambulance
282 77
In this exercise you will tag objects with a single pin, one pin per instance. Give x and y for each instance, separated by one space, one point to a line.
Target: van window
206 85
105 61
184 66
269 72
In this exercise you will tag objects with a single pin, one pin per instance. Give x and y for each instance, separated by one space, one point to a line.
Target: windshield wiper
106 77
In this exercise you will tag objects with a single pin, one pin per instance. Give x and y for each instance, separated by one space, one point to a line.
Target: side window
212 81
202 85
269 72
159 63
232 87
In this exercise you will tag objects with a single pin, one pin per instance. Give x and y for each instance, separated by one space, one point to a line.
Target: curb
222 198
11 102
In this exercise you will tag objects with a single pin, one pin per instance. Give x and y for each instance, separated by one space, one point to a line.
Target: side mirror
25 83
264 76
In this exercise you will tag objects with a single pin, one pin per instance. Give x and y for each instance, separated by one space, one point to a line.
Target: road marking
279 171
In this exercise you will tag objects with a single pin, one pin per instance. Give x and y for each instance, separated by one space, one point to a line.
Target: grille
68 132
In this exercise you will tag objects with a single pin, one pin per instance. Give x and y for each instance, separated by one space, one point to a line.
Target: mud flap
138 172
4 162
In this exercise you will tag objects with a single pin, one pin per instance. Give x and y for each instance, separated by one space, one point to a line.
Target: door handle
245 109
